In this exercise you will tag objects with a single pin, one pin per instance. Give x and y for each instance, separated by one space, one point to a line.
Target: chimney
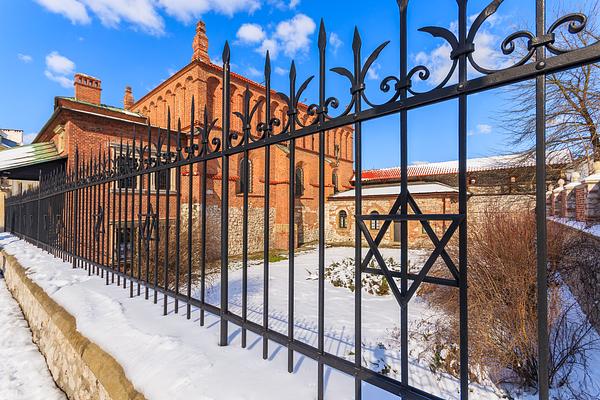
87 88
128 98
200 43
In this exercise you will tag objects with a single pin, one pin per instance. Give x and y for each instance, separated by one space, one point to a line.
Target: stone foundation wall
80 368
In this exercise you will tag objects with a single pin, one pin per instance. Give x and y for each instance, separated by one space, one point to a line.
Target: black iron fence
121 215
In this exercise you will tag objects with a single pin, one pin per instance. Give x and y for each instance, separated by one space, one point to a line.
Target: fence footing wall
80 368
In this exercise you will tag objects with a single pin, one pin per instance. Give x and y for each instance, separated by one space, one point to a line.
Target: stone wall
80 368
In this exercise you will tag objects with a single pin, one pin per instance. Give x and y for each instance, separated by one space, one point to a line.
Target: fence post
225 199
39 207
76 210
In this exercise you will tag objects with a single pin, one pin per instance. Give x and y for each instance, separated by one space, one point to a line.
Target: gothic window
374 223
243 176
343 219
299 184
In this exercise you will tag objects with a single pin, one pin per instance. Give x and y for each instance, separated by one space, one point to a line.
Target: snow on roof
473 165
104 106
394 190
30 154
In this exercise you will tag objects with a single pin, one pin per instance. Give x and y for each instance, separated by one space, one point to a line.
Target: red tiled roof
451 167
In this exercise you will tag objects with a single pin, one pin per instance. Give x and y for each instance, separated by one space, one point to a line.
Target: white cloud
269 45
290 37
139 13
281 71
481 129
59 68
188 10
74 10
253 72
144 14
26 58
251 33
335 42
373 72
60 79
294 34
284 4
484 129
58 64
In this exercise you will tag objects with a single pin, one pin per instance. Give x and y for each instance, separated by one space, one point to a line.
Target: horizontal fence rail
136 212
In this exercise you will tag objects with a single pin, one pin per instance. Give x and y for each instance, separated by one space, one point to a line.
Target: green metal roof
31 154
104 106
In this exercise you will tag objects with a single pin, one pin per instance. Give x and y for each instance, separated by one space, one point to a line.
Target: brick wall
578 200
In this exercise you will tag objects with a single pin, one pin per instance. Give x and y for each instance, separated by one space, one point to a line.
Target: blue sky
141 42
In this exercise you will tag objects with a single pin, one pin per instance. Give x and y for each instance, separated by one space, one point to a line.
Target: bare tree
573 97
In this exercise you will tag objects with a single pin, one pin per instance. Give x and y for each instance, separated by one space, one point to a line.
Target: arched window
334 182
244 177
374 222
299 184
343 219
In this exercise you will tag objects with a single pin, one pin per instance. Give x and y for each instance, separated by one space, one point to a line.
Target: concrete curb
80 368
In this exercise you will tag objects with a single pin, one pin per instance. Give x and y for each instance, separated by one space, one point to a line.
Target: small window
299 184
374 222
334 182
126 166
124 240
244 183
161 179
343 219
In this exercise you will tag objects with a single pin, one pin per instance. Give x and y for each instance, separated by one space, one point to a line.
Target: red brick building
95 129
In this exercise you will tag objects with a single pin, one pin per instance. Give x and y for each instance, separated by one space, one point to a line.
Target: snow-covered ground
173 358
23 371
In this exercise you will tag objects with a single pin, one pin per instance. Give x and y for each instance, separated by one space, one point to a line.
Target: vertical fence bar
356 45
321 308
225 198
112 161
96 220
291 216
404 197
125 238
462 204
120 181
88 218
39 206
168 160
540 202
149 218
178 215
205 150
105 218
141 174
266 212
157 199
76 208
134 186
191 153
245 182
